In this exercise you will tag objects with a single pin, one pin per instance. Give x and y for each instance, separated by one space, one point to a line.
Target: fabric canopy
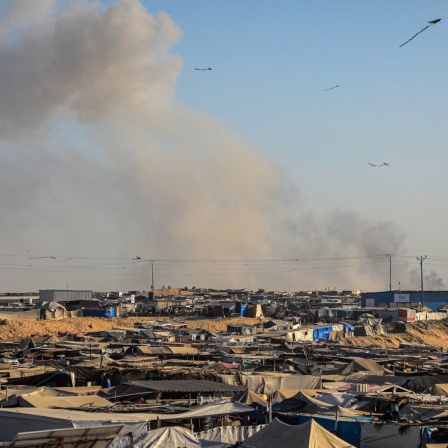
270 383
210 410
364 365
374 435
307 435
170 437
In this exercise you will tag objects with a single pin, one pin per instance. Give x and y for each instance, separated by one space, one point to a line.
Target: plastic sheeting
106 312
337 399
422 413
375 435
169 437
322 333
266 384
229 434
440 390
363 365
306 435
218 408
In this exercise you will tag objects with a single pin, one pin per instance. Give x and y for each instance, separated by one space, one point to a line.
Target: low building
404 299
64 295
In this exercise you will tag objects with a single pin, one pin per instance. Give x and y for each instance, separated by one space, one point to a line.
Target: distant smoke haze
431 280
99 160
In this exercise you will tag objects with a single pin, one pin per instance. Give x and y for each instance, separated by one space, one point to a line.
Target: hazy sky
115 151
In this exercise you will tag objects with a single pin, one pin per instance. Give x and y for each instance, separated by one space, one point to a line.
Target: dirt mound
220 323
428 332
14 330
432 333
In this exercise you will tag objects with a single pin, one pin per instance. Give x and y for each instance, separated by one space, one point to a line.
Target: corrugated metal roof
185 386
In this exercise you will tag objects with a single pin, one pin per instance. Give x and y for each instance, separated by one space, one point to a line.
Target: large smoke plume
98 159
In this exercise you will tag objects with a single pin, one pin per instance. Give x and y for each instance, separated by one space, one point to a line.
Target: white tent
170 437
98 437
307 435
228 434
218 408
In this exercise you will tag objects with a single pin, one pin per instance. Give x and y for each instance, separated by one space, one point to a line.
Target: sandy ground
433 333
17 329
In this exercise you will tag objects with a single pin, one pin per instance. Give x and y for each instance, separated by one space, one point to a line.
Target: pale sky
250 163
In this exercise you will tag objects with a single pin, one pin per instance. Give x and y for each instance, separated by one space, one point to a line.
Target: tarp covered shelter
228 434
248 397
96 437
15 420
53 311
322 333
38 401
364 365
375 435
306 435
222 366
440 390
218 408
270 383
170 437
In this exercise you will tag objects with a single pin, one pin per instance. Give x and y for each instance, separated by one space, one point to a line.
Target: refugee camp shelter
170 436
306 435
95 437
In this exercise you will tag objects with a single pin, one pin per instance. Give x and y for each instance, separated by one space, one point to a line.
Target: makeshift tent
364 365
228 434
15 420
347 429
248 397
337 399
170 437
283 394
313 405
218 408
440 390
425 384
423 413
276 324
350 412
376 435
270 383
307 435
322 333
105 312
98 437
36 401
52 340
222 366
53 311
369 326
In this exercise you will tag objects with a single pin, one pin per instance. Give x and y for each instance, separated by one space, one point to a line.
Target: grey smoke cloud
431 280
98 159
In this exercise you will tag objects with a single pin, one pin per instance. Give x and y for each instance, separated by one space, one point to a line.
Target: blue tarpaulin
106 312
347 327
322 333
344 313
349 431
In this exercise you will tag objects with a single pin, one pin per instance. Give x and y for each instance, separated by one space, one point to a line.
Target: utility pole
422 259
152 276
389 257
